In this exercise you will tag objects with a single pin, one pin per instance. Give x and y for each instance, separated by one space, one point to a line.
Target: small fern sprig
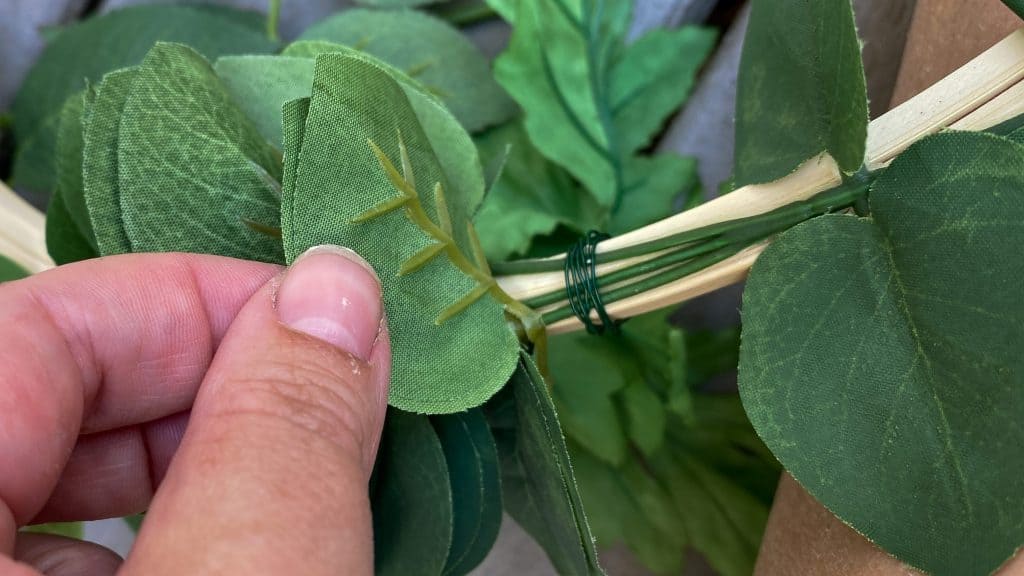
528 323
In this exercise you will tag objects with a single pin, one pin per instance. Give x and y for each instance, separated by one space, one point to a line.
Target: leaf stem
273 18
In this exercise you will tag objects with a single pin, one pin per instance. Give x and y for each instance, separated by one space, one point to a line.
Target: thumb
271 476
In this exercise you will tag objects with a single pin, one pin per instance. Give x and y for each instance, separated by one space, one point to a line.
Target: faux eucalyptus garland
882 327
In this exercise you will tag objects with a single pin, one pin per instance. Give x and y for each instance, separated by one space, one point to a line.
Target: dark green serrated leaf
70 147
635 509
411 498
652 78
654 183
537 478
801 89
339 177
429 50
397 3
10 270
85 51
64 241
476 487
586 374
99 165
530 198
644 417
887 377
555 68
190 164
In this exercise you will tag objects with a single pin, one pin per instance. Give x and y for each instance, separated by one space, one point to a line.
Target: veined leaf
354 100
84 52
537 479
530 197
801 89
411 497
429 50
881 356
64 242
261 84
556 67
185 164
99 167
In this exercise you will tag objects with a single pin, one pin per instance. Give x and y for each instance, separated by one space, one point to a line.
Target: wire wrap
581 287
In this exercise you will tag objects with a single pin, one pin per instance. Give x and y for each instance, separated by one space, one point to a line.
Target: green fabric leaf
339 178
586 373
70 147
801 89
881 356
10 270
555 67
411 498
261 84
192 169
645 417
84 52
476 487
530 198
64 241
99 167
653 78
429 50
537 479
634 509
654 183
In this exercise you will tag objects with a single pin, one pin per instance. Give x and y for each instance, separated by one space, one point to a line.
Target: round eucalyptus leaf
881 357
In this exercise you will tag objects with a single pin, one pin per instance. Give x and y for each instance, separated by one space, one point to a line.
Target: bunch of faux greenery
879 359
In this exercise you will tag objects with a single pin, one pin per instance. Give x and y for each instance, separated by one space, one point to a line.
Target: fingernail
331 293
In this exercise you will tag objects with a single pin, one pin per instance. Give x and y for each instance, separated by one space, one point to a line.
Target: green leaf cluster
880 360
82 53
661 466
591 104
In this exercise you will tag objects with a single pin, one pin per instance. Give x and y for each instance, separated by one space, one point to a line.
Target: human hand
280 377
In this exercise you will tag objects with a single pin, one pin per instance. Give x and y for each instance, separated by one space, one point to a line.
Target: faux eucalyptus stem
694 250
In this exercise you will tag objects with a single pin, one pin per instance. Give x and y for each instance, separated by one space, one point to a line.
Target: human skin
239 403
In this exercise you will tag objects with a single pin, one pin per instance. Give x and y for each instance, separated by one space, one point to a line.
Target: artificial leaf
586 374
801 89
10 270
354 103
476 487
653 184
537 478
70 145
531 196
64 242
652 78
645 417
261 84
881 356
411 497
429 50
556 68
635 509
84 52
192 169
99 164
